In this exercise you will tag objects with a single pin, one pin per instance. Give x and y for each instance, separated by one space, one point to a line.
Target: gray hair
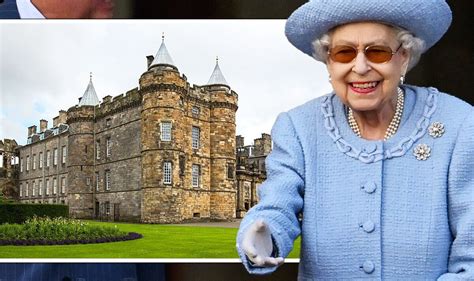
412 44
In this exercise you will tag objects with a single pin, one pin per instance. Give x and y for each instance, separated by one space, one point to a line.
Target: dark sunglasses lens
343 54
378 54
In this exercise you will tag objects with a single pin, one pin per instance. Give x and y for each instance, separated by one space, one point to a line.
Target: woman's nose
361 65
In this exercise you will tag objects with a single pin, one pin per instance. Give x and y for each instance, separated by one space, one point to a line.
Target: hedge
19 213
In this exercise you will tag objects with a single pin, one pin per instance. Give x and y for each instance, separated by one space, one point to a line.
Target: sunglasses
374 53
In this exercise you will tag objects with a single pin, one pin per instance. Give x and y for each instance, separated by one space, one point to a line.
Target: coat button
369 187
368 267
368 226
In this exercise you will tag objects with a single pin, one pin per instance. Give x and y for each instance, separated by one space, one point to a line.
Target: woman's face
360 83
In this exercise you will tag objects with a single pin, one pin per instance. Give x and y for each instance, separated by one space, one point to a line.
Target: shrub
19 213
47 231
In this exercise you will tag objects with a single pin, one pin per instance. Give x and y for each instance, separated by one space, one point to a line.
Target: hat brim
426 19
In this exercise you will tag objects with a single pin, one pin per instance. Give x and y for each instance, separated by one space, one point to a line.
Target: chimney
62 117
267 144
43 125
55 121
239 141
149 60
31 130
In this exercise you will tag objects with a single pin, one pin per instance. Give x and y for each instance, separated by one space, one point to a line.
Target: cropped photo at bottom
138 272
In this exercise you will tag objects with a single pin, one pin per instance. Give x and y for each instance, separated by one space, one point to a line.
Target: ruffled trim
397 150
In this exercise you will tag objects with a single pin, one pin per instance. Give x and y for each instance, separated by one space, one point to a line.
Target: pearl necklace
392 127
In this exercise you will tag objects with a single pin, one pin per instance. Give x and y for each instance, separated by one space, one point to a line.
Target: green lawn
159 241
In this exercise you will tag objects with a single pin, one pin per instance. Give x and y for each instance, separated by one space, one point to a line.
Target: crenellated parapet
120 103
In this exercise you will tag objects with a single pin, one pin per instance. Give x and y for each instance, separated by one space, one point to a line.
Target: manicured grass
159 241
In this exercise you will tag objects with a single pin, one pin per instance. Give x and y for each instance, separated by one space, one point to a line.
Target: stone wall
38 173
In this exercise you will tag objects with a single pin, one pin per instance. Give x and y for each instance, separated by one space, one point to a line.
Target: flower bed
60 231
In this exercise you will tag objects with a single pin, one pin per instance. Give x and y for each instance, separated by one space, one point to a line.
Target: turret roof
89 97
217 78
162 56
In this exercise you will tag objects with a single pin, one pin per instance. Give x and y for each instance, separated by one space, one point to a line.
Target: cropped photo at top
377 177
56 9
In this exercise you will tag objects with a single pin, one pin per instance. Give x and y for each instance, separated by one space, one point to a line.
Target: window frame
63 154
196 175
167 172
166 133
55 156
195 137
107 180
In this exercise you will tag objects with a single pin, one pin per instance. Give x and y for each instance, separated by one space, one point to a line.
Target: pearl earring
329 79
402 79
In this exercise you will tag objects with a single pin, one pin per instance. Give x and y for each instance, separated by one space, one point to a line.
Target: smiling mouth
364 87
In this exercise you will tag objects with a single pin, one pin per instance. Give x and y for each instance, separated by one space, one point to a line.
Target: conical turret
89 97
217 78
162 57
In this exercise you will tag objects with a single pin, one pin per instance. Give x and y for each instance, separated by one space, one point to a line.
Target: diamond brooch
436 129
422 152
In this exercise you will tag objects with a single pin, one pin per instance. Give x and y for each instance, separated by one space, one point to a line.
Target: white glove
258 245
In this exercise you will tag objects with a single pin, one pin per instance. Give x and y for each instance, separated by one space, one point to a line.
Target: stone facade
251 171
122 165
8 169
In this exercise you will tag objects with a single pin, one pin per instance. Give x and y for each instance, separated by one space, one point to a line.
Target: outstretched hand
258 246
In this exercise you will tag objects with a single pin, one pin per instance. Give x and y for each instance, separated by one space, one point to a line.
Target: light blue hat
426 19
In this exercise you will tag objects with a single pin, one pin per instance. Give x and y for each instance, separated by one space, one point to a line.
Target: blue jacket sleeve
281 195
461 205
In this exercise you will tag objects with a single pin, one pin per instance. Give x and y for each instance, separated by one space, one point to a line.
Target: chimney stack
31 130
239 141
43 125
149 60
60 119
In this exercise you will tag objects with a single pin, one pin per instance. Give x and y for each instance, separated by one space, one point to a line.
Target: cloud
45 66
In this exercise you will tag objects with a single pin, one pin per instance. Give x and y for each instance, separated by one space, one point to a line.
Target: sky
45 66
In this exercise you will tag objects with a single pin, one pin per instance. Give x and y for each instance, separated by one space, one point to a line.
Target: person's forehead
368 32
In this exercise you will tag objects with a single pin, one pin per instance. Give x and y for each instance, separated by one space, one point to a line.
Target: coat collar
420 104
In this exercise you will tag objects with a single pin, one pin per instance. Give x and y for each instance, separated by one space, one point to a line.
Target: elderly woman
378 176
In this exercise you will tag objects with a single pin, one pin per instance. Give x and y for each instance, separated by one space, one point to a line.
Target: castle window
195 173
63 185
26 190
165 130
55 186
47 187
107 208
21 165
34 161
108 145
64 154
230 171
167 172
107 180
33 189
21 190
55 157
196 134
40 188
48 158
97 149
195 111
88 181
97 180
41 160
108 121
27 163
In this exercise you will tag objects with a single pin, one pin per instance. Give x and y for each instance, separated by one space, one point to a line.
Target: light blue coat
370 209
